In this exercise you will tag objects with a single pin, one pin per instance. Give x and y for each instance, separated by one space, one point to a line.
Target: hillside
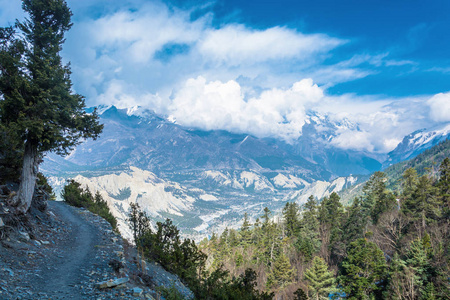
426 162
71 253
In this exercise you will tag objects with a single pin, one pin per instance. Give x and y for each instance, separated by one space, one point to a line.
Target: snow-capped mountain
417 142
206 180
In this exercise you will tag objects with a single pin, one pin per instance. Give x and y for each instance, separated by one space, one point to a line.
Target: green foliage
183 257
171 293
11 156
76 196
422 204
368 242
308 241
37 103
138 222
355 224
444 187
364 270
245 230
422 163
300 295
43 183
281 274
331 217
291 219
320 280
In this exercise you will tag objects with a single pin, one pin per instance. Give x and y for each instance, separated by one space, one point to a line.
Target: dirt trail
65 258
77 254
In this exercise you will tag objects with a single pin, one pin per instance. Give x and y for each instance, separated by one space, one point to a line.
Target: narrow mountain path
64 258
69 267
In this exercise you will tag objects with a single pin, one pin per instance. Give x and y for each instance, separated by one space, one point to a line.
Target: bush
76 196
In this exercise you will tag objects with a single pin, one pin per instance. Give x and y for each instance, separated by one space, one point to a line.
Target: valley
205 180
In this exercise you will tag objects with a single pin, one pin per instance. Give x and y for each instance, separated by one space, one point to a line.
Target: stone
24 236
137 292
112 283
45 242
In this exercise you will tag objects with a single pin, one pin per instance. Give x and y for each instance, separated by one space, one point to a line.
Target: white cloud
235 45
440 107
233 77
217 105
353 139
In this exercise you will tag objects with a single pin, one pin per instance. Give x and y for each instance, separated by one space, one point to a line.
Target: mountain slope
205 180
424 163
417 142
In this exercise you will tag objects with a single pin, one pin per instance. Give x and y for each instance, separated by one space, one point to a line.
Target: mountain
417 142
205 180
427 162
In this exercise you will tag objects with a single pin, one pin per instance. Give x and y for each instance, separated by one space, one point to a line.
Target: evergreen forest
384 245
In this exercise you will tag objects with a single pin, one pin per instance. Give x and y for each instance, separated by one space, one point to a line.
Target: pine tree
355 223
37 102
281 274
308 241
423 205
364 270
245 230
291 218
266 217
331 215
321 281
138 221
444 187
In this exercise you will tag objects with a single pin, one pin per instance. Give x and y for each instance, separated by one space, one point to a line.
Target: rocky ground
70 253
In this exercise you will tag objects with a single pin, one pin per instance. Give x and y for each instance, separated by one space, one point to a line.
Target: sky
259 67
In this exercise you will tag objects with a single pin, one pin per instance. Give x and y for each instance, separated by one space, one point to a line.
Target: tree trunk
28 178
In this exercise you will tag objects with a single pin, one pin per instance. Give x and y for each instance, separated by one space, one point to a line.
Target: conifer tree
308 241
321 281
364 270
444 187
331 217
291 218
37 102
245 230
355 223
423 205
282 273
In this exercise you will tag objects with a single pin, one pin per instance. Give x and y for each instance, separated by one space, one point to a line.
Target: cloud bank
261 81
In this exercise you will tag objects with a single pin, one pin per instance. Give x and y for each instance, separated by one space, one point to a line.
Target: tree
377 199
38 104
308 237
331 217
291 221
423 205
355 224
245 230
138 222
444 187
364 270
320 280
282 272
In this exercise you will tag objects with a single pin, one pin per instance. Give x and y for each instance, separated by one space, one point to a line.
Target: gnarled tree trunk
28 178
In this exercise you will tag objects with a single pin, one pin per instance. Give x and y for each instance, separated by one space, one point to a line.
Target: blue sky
260 66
